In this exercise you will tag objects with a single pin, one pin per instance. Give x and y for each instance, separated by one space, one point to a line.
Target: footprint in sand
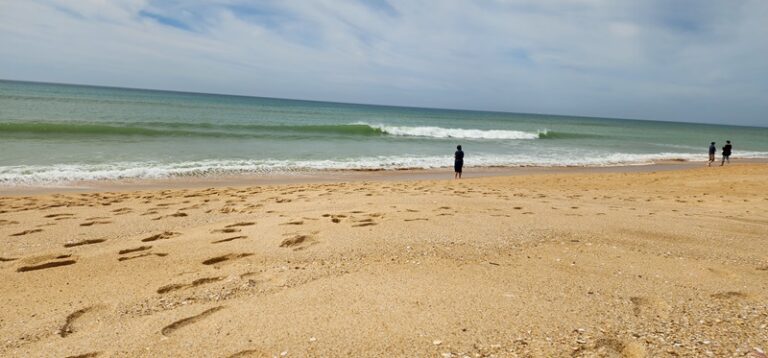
68 328
228 230
86 355
240 224
146 254
335 218
8 222
649 306
96 218
294 222
364 224
161 236
294 241
95 222
227 257
299 241
230 239
173 327
174 215
84 242
729 295
58 215
180 286
135 249
250 353
48 265
26 232
612 347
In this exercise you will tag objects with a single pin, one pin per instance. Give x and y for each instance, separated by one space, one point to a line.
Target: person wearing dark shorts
726 153
712 150
458 162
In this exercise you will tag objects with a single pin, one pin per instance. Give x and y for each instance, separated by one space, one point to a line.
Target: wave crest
458 133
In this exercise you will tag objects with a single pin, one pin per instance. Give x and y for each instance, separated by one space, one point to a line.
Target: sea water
53 133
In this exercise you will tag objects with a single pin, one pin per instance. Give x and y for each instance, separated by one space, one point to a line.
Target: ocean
54 134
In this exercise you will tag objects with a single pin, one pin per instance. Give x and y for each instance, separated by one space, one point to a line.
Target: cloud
684 60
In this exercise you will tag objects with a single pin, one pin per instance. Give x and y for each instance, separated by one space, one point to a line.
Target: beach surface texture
637 264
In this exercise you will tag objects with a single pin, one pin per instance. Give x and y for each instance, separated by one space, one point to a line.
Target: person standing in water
726 153
458 162
712 150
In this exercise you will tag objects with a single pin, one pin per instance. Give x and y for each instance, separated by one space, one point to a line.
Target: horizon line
372 104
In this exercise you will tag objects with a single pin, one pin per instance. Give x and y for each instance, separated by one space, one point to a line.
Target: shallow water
51 133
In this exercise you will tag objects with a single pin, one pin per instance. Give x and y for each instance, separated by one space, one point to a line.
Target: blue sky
677 60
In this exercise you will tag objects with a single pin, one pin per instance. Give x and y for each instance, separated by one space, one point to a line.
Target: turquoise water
51 133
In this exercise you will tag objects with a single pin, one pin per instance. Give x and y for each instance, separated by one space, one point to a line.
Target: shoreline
339 176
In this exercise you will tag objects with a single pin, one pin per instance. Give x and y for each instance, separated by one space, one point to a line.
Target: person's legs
711 159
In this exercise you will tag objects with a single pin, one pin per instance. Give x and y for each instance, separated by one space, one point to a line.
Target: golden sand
671 263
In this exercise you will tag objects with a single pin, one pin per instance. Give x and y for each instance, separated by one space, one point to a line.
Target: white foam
64 173
439 132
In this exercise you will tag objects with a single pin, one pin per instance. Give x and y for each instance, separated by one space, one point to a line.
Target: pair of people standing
726 153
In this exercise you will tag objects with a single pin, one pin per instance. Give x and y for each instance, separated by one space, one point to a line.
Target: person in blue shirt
712 150
458 162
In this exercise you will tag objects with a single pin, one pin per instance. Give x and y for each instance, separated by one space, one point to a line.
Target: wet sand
665 261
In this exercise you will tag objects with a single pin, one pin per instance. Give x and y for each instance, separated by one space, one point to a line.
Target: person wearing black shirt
727 153
458 162
712 150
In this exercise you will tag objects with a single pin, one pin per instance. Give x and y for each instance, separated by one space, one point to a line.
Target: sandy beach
648 263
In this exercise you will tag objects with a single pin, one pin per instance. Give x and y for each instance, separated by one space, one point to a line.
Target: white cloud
588 57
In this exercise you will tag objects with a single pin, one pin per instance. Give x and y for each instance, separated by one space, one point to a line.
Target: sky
672 60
